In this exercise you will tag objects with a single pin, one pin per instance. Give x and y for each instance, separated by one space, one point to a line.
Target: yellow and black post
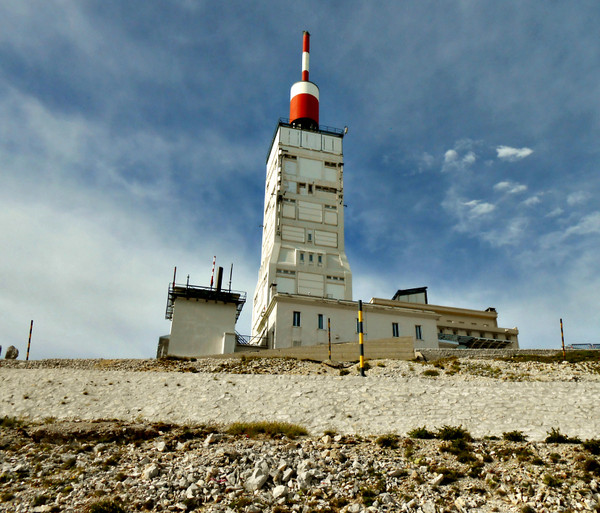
361 339
329 335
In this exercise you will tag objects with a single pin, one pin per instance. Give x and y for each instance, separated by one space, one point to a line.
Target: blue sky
133 138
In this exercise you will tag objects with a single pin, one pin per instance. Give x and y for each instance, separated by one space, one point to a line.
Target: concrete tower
303 229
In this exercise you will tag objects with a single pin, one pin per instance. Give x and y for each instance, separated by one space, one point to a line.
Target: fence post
562 336
361 339
329 335
29 342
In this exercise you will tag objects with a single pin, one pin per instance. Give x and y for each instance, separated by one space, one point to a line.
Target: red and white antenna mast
304 95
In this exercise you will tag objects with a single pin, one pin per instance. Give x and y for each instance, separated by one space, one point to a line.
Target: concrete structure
296 320
458 327
304 277
203 320
303 229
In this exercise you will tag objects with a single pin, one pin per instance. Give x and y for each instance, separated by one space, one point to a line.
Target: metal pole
361 339
212 274
562 336
29 343
329 335
174 275
230 275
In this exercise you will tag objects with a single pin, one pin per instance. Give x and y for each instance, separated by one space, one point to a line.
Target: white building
305 279
203 320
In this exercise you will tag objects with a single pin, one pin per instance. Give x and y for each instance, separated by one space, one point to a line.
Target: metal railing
210 293
249 340
323 129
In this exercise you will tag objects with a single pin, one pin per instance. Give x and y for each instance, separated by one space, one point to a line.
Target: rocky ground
453 368
116 466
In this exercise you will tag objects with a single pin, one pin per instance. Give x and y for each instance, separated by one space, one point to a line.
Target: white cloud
533 200
512 154
479 208
576 198
450 156
453 160
555 213
469 158
587 225
510 187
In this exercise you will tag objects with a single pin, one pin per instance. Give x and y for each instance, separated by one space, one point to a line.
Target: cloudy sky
133 138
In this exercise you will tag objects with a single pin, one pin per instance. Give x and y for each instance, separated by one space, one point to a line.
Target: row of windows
321 326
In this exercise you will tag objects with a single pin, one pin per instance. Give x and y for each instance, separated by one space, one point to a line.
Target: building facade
305 280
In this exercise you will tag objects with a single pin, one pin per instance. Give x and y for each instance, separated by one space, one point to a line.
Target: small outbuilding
203 321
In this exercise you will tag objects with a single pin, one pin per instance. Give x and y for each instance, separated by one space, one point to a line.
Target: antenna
304 95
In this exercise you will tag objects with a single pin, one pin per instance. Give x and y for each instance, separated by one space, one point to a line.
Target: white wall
377 322
198 327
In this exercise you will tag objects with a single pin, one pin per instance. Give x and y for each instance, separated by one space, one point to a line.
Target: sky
133 138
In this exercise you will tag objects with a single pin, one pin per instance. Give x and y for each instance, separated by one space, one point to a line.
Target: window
320 259
309 236
301 258
418 332
296 321
395 330
320 322
310 258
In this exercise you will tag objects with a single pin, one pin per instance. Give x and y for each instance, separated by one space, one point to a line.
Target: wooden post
562 336
29 343
329 335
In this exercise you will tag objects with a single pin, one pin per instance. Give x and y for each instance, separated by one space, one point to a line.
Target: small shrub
267 428
592 466
461 449
40 500
450 475
476 469
592 446
105 506
514 436
453 433
368 496
551 481
10 422
431 372
6 496
389 440
554 457
556 437
421 433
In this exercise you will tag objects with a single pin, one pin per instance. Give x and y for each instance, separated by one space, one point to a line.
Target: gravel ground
76 462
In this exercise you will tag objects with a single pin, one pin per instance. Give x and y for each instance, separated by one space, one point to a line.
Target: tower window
296 319
395 330
418 332
320 259
301 258
310 258
320 321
